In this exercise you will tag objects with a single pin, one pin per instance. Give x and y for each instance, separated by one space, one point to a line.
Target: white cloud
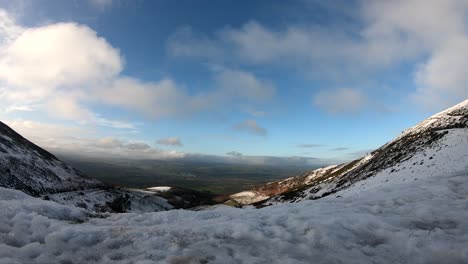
251 126
435 29
8 29
430 33
47 58
159 99
257 44
443 79
85 141
236 83
342 100
170 141
63 69
199 46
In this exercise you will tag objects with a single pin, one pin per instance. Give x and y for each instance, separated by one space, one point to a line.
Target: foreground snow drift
422 221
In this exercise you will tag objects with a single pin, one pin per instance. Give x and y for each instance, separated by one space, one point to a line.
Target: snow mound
159 188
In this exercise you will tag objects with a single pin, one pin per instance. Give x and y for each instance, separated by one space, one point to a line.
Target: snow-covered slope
422 221
437 145
29 168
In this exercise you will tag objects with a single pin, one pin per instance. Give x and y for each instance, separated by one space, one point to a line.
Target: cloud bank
431 35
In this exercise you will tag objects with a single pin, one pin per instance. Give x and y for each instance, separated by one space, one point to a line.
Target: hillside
437 145
29 168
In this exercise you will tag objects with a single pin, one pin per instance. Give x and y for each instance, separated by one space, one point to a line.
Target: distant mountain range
435 146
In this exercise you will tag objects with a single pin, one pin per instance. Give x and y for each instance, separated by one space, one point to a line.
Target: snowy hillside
436 146
27 167
422 221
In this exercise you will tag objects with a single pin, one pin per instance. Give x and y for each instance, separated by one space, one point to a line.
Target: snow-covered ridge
27 167
439 142
453 117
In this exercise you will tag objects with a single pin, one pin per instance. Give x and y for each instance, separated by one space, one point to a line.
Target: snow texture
27 167
421 221
113 200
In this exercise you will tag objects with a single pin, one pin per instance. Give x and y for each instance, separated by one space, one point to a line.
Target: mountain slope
437 145
31 169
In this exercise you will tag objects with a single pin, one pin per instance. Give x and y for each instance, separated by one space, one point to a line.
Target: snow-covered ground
98 200
159 188
421 221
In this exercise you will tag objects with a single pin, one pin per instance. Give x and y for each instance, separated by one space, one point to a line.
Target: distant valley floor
216 178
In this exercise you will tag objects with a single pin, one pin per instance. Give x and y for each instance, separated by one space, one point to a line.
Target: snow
159 188
97 200
448 156
31 171
248 197
421 221
442 119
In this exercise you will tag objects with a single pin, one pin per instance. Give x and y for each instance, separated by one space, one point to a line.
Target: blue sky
165 79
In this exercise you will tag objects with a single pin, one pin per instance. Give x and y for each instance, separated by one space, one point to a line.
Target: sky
322 81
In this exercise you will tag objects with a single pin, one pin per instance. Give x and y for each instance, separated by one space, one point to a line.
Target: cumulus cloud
251 126
431 35
170 141
444 78
8 28
342 100
54 68
434 29
46 58
64 69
